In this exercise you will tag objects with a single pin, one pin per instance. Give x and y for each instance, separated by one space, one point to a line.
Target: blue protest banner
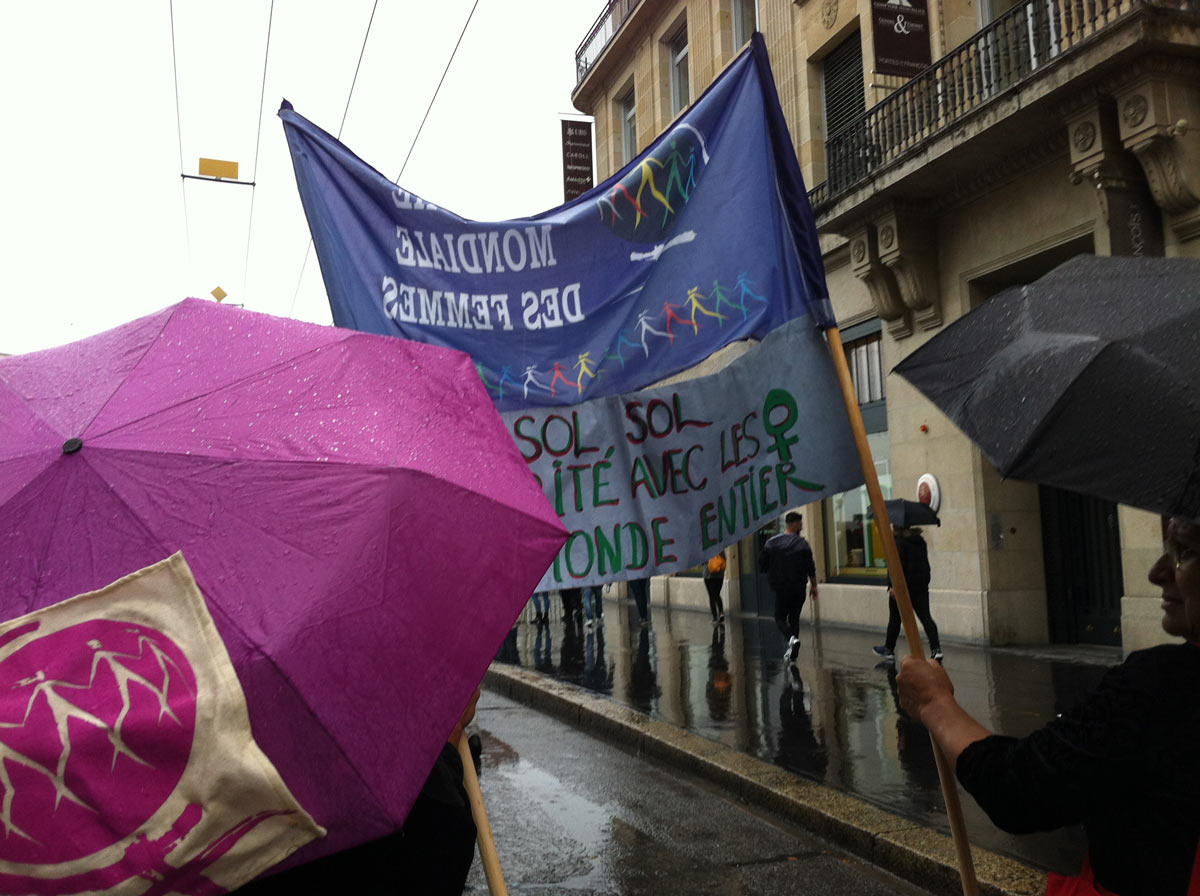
705 239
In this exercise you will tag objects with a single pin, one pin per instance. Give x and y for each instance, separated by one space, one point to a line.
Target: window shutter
842 73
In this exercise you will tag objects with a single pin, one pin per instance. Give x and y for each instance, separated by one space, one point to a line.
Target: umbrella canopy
357 517
904 513
1087 379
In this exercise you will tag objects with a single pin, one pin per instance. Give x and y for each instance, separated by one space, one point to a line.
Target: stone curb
921 855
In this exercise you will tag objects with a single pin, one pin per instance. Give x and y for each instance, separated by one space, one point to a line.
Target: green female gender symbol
781 398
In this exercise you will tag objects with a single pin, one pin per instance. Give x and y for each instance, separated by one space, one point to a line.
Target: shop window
853 550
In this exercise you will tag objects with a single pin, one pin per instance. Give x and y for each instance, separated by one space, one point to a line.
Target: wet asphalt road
835 720
574 815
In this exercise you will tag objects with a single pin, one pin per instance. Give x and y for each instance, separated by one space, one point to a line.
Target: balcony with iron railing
1017 48
609 22
1012 50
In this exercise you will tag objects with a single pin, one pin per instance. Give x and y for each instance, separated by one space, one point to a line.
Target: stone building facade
993 142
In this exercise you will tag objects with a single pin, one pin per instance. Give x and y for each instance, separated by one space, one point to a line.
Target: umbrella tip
70 446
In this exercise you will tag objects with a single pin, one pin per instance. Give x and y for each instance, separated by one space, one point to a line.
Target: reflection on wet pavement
833 717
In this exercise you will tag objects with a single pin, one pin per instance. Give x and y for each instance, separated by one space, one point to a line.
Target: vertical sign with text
901 32
577 158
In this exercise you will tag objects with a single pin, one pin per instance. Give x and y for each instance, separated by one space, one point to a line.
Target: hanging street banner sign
656 481
705 239
900 29
577 158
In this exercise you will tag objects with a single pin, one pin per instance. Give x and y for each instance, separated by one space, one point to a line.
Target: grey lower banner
656 481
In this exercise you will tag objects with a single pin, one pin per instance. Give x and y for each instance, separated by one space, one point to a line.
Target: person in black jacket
914 561
788 562
1125 763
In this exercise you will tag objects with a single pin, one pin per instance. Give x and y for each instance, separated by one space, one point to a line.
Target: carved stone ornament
885 295
1084 137
829 13
1135 110
887 236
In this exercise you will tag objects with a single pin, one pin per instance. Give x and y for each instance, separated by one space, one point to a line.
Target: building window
853 550
678 67
628 110
866 368
849 153
745 21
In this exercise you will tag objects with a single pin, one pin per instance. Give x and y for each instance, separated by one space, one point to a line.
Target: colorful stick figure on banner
743 284
694 297
722 298
482 371
644 327
530 379
504 377
669 311
676 161
648 178
559 374
584 368
621 341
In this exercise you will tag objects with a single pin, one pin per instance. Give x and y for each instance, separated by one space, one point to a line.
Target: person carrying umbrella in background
1125 762
788 562
914 560
905 517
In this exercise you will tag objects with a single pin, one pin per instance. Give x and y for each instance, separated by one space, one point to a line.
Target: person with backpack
714 579
788 562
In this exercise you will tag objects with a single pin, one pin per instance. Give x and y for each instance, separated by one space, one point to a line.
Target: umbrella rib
1052 412
242 380
258 651
150 344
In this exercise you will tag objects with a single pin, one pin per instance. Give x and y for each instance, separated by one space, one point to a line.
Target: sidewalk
723 700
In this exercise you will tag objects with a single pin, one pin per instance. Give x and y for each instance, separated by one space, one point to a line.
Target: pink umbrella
358 519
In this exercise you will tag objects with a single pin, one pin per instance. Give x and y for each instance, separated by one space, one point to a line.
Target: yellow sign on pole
219 294
218 168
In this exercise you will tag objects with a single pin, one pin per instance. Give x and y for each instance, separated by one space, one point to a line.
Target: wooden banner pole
966 867
483 829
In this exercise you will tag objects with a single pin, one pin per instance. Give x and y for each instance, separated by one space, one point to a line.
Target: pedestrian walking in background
714 580
541 608
640 589
572 604
914 561
591 604
787 560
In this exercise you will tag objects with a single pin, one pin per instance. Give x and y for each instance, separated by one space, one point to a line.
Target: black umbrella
1087 379
904 513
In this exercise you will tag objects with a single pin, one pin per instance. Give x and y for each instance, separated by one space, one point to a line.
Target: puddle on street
834 717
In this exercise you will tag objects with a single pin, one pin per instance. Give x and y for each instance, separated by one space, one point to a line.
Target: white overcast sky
97 227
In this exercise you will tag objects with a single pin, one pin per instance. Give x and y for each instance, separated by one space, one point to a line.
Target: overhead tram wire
345 112
257 143
416 137
433 99
179 134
